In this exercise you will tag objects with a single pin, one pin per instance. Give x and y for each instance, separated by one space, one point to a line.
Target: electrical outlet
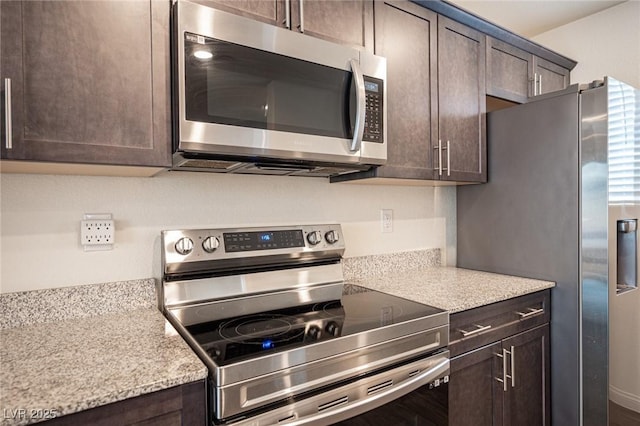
386 220
97 232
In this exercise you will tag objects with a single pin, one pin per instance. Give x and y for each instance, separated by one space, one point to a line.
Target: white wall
40 219
606 43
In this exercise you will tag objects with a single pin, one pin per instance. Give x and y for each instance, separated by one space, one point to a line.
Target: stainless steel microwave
250 97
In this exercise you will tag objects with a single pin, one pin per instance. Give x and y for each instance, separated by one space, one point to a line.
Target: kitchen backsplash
381 264
57 304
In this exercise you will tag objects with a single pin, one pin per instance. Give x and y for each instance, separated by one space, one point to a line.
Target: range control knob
332 237
184 246
211 244
314 237
333 329
314 332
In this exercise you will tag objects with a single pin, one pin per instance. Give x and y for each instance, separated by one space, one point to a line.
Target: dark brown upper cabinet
346 21
435 97
406 34
89 82
461 145
550 77
270 11
516 75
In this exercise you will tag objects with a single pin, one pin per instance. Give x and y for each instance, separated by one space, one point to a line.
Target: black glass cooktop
235 339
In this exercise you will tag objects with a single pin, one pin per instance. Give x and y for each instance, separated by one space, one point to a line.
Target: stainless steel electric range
286 341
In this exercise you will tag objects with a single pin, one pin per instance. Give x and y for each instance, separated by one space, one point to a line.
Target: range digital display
265 240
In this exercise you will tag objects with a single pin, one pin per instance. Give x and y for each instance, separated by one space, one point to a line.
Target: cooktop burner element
268 312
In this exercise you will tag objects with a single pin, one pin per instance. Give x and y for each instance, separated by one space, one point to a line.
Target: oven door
413 394
246 88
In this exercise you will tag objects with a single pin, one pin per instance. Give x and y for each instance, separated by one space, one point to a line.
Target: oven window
422 407
226 83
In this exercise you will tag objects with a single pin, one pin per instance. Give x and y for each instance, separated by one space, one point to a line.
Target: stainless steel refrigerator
562 204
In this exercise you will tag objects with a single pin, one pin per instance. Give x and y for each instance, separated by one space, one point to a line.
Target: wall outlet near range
97 232
386 220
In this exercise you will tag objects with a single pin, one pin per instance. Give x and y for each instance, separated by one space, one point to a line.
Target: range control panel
239 245
262 240
373 120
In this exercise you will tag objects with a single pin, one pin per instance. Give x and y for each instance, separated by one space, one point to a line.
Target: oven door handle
358 130
342 411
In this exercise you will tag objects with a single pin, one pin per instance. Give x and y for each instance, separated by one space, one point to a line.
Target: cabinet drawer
477 327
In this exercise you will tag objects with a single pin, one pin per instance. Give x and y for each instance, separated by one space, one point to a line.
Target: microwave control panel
373 120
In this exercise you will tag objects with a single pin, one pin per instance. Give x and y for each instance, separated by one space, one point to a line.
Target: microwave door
241 100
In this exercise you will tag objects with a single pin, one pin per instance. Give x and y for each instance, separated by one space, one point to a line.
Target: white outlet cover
386 220
97 232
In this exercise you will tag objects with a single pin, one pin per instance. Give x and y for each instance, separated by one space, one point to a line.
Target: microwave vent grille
211 165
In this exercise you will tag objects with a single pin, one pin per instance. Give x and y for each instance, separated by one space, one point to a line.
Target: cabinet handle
535 84
532 312
505 376
8 142
479 329
448 159
503 380
540 83
287 14
439 148
301 25
513 366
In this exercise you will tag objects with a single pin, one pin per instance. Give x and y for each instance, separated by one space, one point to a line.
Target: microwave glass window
226 83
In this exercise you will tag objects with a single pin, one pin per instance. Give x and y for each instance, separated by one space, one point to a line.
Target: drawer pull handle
479 329
532 312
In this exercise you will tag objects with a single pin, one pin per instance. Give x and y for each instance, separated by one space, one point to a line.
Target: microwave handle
358 131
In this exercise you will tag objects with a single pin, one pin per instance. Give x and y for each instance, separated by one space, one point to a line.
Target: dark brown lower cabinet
504 383
527 397
500 366
474 397
179 405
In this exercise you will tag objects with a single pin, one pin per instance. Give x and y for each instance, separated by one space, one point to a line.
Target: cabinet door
179 405
527 399
269 11
551 77
461 101
508 71
345 21
475 396
89 82
406 36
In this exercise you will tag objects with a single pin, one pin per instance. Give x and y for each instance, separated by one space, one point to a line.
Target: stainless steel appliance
286 341
254 98
562 204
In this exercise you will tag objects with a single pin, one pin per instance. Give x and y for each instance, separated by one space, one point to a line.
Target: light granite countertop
71 349
452 289
62 367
